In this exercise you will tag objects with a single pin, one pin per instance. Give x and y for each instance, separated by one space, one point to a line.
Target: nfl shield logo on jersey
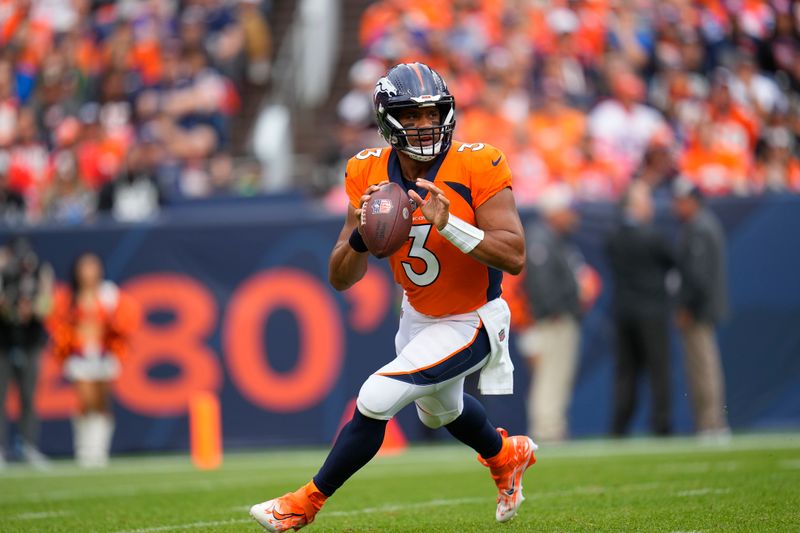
502 334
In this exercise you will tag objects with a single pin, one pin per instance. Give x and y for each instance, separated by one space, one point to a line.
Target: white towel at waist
497 376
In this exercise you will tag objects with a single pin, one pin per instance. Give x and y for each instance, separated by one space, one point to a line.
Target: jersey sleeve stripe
462 190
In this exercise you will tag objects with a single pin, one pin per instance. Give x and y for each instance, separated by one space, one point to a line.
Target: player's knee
435 421
378 399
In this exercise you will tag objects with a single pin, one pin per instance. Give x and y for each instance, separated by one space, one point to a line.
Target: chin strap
437 149
417 157
463 235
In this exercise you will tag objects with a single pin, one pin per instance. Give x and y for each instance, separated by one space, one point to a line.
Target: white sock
105 429
80 427
98 435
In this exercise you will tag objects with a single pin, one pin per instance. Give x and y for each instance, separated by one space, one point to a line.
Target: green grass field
751 484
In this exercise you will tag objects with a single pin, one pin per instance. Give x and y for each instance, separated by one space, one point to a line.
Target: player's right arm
347 265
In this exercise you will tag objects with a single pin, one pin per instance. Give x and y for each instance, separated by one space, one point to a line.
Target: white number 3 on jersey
419 235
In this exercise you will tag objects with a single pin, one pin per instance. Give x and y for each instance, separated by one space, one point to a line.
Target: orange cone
205 431
394 442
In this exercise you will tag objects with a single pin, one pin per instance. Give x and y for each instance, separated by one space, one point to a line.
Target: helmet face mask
421 143
414 85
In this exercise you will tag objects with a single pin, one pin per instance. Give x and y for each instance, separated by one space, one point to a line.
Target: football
387 218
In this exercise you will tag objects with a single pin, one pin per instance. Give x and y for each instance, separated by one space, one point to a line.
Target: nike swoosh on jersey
497 161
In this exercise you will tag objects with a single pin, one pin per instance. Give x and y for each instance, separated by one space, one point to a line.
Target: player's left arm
503 244
497 240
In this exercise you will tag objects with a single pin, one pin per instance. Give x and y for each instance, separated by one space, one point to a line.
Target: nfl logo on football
382 207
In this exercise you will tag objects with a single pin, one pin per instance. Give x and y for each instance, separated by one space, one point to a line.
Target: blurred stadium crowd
595 93
120 105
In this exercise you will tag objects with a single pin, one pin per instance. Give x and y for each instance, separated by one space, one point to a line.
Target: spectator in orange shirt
735 129
145 57
592 35
99 157
556 129
391 29
593 178
90 327
28 161
485 121
28 32
382 14
529 172
116 48
466 82
715 170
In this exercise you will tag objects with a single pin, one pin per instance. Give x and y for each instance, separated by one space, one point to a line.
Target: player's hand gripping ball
386 220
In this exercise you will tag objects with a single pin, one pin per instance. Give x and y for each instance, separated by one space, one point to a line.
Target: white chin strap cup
418 152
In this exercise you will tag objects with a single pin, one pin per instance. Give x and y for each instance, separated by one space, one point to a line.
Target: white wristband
463 235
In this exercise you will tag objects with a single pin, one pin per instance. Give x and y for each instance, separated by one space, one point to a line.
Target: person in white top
621 127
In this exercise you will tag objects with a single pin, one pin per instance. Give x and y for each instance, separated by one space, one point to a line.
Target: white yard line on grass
405 507
39 515
697 468
120 491
668 446
683 468
191 525
702 492
366 510
62 470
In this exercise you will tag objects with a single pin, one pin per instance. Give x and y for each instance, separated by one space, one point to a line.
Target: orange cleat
507 468
294 510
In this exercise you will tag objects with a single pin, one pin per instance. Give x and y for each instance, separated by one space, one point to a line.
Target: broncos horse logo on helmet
414 85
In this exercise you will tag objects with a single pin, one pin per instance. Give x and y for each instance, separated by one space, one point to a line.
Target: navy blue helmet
414 85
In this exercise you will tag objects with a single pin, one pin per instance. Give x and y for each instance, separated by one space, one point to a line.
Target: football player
466 232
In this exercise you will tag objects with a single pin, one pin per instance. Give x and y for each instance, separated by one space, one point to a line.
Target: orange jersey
119 315
438 278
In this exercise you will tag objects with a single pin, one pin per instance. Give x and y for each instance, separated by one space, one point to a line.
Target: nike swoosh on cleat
512 490
281 516
497 161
